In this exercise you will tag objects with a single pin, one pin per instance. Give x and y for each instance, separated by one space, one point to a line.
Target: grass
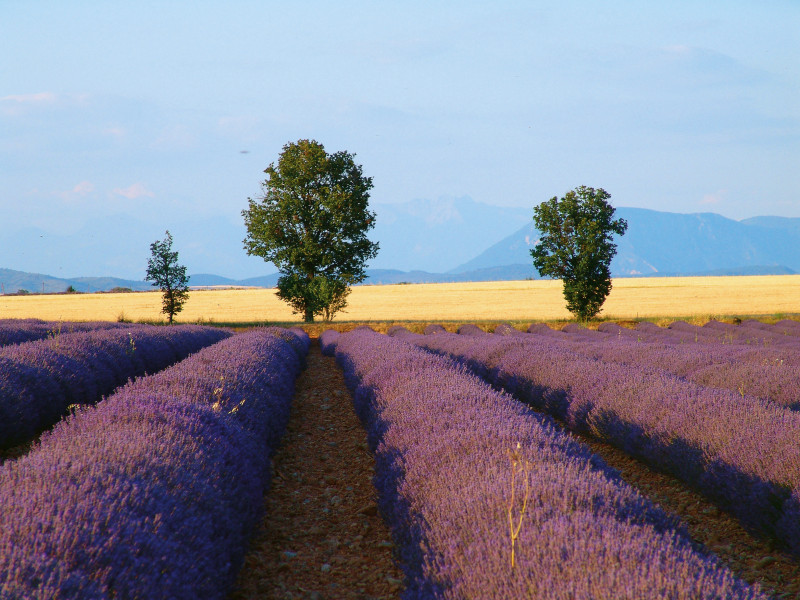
661 300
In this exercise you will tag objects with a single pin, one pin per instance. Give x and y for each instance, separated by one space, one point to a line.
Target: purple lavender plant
327 341
468 330
768 373
153 492
433 329
42 379
17 331
741 452
446 445
506 329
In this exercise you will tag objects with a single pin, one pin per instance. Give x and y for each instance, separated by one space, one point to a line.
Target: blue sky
137 117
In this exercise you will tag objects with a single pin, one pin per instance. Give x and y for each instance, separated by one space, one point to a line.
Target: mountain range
666 244
427 238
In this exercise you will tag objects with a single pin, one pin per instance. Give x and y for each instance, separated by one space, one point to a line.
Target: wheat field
516 301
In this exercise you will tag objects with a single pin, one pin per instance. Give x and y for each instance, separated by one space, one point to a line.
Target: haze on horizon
129 119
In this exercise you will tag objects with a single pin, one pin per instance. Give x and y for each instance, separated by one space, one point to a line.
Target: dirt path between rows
752 559
321 536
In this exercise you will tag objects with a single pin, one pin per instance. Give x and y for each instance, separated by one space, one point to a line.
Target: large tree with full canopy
311 221
577 246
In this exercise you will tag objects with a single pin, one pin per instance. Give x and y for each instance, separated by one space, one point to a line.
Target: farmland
583 401
664 298
495 462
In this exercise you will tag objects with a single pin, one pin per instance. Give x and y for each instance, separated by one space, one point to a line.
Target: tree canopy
165 273
311 222
577 246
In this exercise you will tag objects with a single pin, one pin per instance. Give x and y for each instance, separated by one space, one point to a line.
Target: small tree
576 246
165 273
311 222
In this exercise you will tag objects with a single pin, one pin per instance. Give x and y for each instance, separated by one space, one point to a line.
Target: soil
754 560
322 536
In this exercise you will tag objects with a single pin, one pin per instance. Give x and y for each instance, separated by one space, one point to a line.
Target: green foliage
576 246
320 295
165 273
311 222
71 290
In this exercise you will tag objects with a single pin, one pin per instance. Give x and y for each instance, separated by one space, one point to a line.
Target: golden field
515 301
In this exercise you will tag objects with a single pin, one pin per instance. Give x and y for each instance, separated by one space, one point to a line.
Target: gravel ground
752 559
322 536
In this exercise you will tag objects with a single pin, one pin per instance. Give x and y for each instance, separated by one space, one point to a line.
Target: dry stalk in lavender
518 466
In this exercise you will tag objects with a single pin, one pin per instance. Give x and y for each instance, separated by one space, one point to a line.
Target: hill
435 235
12 282
662 243
432 235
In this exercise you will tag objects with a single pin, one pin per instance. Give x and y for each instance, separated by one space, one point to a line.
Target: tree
576 246
165 273
311 222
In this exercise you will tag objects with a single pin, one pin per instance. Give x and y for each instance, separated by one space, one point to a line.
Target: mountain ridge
667 243
656 244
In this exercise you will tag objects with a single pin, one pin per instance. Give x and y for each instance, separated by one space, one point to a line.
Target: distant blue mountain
780 223
503 273
205 280
437 233
662 243
12 282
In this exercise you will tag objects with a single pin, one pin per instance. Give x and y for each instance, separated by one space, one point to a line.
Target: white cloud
137 190
42 97
714 198
17 104
82 189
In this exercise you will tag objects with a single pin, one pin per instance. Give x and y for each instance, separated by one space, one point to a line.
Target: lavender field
464 473
153 491
40 380
154 444
658 395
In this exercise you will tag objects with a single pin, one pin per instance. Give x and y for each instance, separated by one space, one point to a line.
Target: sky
122 120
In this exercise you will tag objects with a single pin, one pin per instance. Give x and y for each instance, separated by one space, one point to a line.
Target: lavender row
753 332
40 380
741 452
454 457
749 333
777 349
327 342
766 373
788 327
155 491
17 331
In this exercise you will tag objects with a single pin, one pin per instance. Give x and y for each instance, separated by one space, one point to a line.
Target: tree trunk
308 316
